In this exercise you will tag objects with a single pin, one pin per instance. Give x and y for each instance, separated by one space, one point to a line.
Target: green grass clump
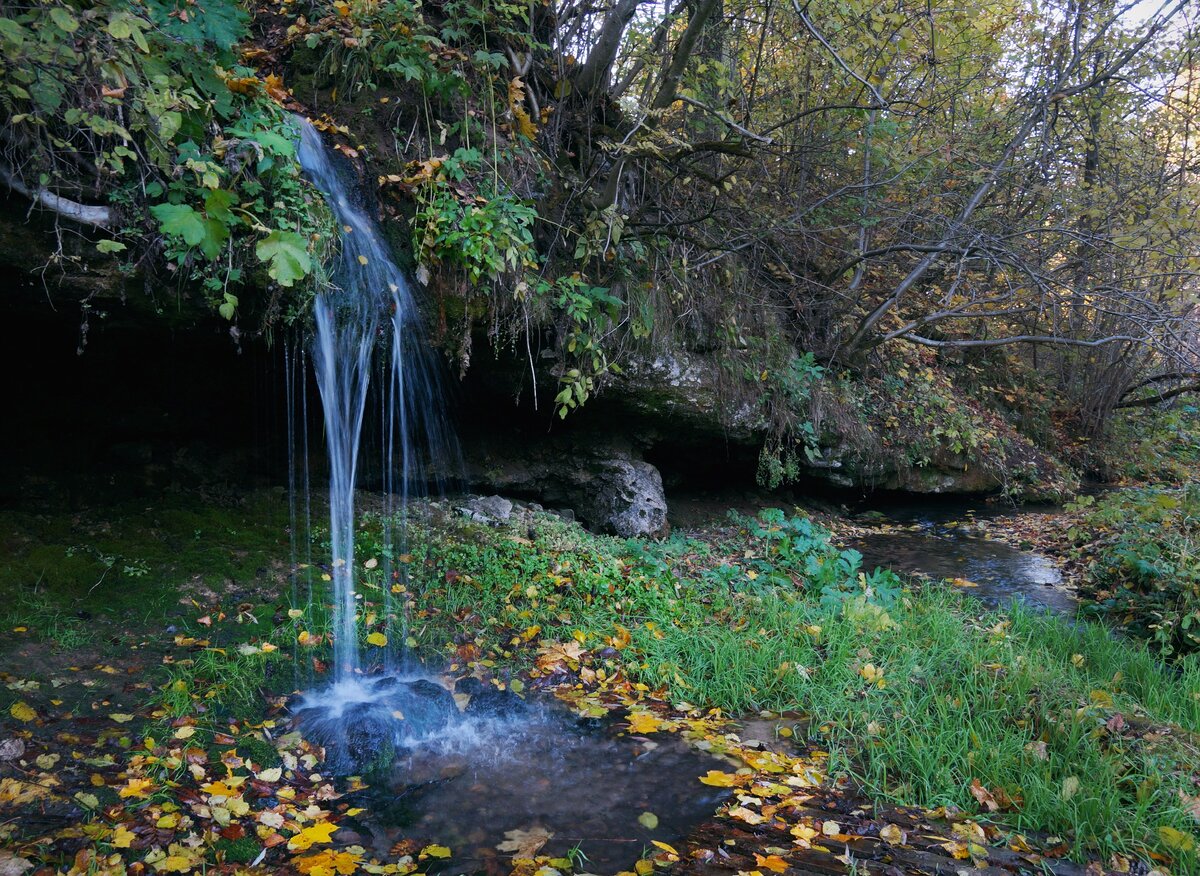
915 694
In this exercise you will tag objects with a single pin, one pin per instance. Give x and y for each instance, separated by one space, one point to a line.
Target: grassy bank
920 695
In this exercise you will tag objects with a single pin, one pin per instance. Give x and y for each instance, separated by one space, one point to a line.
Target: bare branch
84 214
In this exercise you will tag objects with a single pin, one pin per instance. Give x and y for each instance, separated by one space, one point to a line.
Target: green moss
257 749
239 851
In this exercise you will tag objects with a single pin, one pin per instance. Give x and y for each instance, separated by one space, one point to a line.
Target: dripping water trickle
367 317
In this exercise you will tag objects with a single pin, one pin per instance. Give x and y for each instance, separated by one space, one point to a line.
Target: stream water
489 787
944 540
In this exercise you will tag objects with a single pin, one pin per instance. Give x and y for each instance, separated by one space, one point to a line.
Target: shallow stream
545 784
945 540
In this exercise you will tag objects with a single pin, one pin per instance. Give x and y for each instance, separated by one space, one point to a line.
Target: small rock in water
492 703
468 685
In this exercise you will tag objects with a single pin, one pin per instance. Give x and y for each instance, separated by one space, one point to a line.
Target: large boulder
607 485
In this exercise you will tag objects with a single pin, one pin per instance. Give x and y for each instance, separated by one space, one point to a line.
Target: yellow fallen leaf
644 722
121 718
892 835
747 815
122 838
435 852
804 832
137 788
22 711
648 820
186 732
321 832
958 850
225 788
773 863
718 779
328 862
1176 839
377 639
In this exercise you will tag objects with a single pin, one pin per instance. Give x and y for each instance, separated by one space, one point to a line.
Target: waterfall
367 315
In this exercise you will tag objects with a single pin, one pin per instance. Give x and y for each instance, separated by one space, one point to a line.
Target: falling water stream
369 305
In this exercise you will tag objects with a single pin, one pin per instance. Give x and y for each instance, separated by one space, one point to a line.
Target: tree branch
84 214
1161 397
1020 339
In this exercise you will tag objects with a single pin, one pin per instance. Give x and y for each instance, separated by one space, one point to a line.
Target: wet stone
497 704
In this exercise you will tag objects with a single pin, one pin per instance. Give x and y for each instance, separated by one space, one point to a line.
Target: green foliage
182 138
1145 566
1153 445
365 44
913 700
487 237
788 396
589 311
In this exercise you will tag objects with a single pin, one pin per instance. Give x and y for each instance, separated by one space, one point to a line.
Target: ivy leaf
180 220
107 246
287 254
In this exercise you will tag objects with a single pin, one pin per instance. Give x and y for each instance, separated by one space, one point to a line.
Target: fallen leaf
773 863
11 865
22 711
983 795
644 722
321 832
1176 839
893 835
648 820
747 815
718 779
524 843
